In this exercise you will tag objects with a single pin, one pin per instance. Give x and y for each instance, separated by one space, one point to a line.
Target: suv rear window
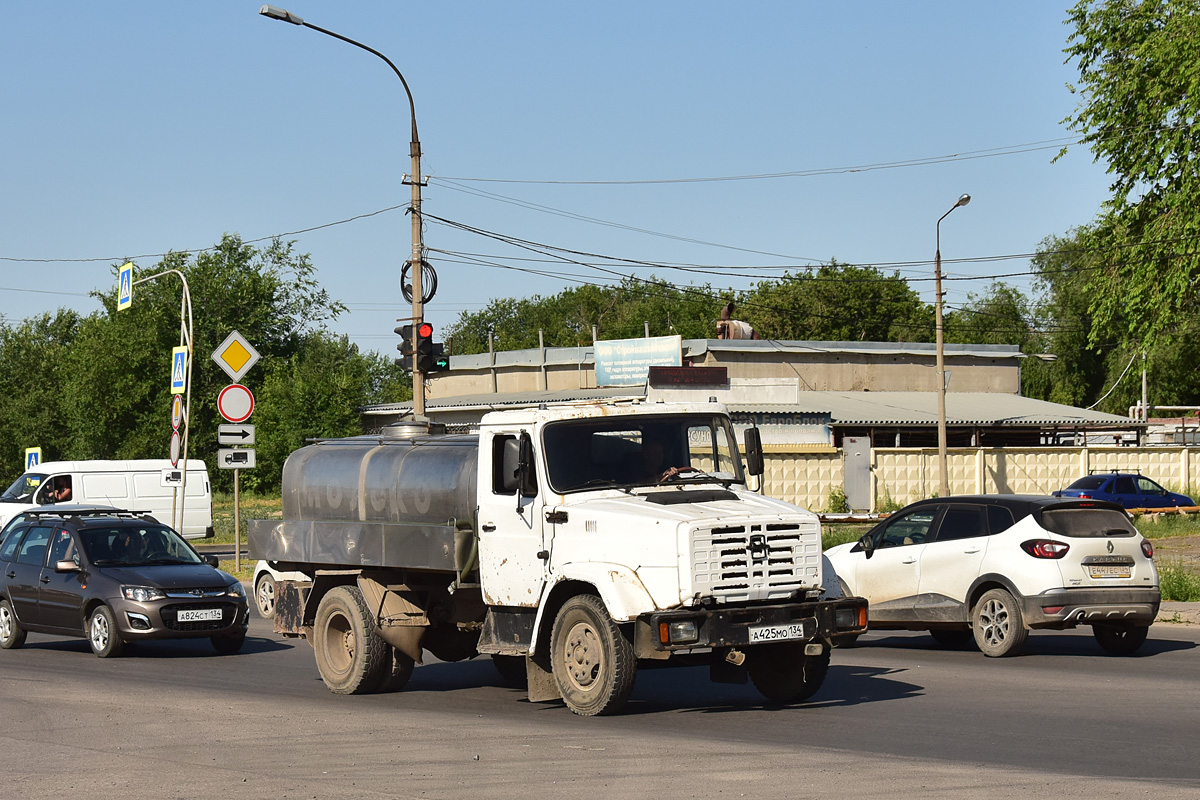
1090 482
1082 523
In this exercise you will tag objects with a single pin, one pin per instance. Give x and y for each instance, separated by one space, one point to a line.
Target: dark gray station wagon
113 580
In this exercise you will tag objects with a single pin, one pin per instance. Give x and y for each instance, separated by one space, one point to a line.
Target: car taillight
1045 548
1147 548
1085 497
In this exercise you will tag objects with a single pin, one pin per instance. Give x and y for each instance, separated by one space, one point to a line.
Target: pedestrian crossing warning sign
125 286
179 356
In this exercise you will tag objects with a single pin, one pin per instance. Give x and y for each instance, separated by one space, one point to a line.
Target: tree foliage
1139 95
839 303
98 386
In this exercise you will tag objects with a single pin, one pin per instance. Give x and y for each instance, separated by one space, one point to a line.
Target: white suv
265 578
995 566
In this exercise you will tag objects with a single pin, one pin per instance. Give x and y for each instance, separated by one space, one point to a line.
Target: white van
131 485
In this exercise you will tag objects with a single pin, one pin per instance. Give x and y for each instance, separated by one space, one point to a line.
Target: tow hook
736 657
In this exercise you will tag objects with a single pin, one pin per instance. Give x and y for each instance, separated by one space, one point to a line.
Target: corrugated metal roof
908 409
920 408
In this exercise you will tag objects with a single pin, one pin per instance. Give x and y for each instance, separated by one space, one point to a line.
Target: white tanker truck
572 543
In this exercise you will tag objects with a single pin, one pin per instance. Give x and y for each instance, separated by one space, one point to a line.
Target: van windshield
22 489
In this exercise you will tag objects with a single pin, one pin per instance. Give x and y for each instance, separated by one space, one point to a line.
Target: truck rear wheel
592 661
351 657
782 673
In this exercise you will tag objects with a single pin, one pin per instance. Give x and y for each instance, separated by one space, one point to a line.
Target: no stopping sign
235 402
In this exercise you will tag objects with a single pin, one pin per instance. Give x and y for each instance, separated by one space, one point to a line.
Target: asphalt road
897 717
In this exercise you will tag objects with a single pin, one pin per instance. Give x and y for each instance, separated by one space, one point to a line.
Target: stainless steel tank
405 499
415 480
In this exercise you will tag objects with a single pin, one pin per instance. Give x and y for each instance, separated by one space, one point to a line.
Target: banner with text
626 362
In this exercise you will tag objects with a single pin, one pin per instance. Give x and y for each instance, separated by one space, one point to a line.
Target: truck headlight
679 632
849 618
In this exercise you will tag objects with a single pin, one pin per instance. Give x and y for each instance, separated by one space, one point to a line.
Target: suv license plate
1120 571
198 614
777 633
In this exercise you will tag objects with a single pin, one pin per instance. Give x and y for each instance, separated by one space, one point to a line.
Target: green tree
1139 95
32 371
566 319
839 302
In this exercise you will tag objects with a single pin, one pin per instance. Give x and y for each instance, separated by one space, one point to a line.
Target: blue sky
133 128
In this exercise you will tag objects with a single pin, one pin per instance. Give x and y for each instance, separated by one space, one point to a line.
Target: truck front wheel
782 673
351 657
592 660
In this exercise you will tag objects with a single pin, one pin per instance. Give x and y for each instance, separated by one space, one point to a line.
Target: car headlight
142 594
236 589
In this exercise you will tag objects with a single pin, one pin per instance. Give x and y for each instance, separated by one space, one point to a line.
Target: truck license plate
777 633
198 614
1114 571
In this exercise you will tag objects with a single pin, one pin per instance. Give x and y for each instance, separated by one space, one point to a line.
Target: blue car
1126 488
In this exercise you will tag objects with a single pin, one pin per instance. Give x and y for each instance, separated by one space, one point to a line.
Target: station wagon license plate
777 633
1109 570
198 614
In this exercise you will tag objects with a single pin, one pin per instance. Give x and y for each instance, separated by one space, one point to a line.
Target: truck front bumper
747 626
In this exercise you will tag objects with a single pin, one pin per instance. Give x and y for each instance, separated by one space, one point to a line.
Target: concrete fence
902 475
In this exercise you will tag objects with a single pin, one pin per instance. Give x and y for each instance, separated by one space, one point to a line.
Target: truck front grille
763 561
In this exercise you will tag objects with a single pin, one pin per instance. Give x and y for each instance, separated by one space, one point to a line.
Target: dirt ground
1184 548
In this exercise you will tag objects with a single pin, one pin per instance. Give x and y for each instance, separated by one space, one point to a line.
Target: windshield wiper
601 483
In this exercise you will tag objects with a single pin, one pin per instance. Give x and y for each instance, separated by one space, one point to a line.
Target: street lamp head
962 201
285 15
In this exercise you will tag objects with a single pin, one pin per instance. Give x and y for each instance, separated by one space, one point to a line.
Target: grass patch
1162 526
249 507
1177 583
833 534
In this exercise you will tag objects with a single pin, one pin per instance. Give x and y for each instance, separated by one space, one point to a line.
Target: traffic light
424 355
441 361
405 347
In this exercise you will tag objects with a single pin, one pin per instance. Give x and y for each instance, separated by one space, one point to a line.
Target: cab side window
912 528
962 522
33 546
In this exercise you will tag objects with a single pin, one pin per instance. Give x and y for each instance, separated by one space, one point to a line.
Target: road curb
1179 613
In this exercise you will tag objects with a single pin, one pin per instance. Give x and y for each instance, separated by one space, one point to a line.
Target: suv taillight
1147 548
1045 548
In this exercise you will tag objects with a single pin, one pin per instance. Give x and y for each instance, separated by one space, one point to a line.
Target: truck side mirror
754 453
517 469
510 469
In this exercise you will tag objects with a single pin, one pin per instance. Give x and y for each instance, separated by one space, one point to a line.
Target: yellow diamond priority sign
236 356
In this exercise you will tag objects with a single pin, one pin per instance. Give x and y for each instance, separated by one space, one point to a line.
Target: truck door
512 562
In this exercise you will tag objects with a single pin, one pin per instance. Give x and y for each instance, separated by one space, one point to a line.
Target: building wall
853 372
817 371
904 475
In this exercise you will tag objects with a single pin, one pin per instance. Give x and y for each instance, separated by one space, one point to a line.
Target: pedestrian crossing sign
33 457
125 287
179 356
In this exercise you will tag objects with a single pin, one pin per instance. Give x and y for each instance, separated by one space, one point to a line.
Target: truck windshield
22 489
629 451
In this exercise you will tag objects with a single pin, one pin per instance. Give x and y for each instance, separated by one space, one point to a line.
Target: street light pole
943 461
414 152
